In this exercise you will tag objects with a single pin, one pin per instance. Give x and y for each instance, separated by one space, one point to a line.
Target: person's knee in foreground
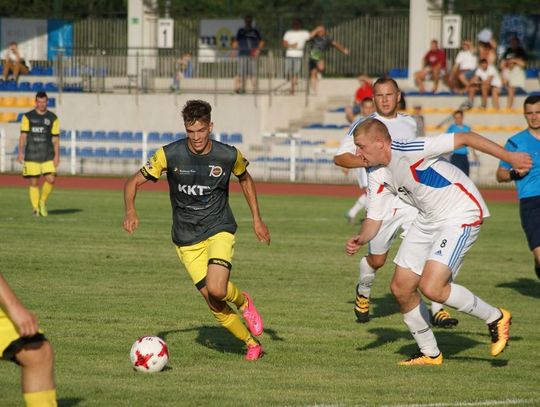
198 171
22 342
450 212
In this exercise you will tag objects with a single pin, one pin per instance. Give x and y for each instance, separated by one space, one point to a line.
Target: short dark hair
386 79
531 100
197 110
459 111
42 94
371 123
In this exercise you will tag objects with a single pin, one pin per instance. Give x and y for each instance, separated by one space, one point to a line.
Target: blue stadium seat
166 137
224 137
151 152
10 86
51 87
18 119
235 138
113 135
100 152
153 137
86 152
37 86
127 153
113 152
51 102
100 135
25 87
137 136
137 153
126 136
180 135
86 135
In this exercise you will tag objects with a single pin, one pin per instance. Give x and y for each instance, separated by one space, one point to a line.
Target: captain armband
514 175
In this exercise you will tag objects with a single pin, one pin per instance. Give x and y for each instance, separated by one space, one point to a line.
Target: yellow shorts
35 169
10 340
217 249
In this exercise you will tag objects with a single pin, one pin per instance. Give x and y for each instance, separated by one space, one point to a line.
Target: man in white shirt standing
401 126
486 78
294 41
450 213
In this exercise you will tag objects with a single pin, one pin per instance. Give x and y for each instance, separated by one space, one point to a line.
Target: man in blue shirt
527 183
460 156
248 43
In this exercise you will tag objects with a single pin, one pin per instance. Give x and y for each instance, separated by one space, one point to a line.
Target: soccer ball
149 354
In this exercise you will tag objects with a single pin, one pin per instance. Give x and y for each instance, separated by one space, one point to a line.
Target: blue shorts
529 212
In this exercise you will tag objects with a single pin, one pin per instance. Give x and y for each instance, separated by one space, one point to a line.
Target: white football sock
465 301
365 278
435 307
417 322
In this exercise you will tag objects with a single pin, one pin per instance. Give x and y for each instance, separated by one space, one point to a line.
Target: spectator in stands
486 78
513 69
461 73
183 69
527 182
248 43
487 46
365 90
320 43
433 66
459 156
294 41
14 63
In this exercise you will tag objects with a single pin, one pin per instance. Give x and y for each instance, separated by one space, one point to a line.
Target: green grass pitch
96 289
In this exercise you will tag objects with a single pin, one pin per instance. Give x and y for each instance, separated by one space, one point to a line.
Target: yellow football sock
46 190
234 295
45 398
232 322
34 196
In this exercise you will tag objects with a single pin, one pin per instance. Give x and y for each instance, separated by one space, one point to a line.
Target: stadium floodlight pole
167 8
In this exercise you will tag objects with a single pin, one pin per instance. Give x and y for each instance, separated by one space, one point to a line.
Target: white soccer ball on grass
149 354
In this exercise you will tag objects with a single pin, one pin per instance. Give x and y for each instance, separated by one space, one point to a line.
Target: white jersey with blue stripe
419 176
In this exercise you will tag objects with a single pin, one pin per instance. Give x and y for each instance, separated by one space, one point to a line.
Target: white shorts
446 244
401 216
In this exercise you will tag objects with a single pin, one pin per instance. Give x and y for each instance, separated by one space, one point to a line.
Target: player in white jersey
451 211
401 126
367 108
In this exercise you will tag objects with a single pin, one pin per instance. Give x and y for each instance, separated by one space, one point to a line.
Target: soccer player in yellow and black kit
22 342
198 171
39 151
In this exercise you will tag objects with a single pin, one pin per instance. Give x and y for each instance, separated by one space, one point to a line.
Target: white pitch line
471 403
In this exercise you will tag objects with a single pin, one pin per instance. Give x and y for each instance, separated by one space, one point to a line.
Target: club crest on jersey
195 190
215 171
47 122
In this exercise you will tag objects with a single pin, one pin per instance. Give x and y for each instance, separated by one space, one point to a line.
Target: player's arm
345 155
250 193
521 162
369 229
24 320
25 128
340 48
131 220
55 132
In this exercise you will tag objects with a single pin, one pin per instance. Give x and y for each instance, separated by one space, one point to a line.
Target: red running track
498 195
